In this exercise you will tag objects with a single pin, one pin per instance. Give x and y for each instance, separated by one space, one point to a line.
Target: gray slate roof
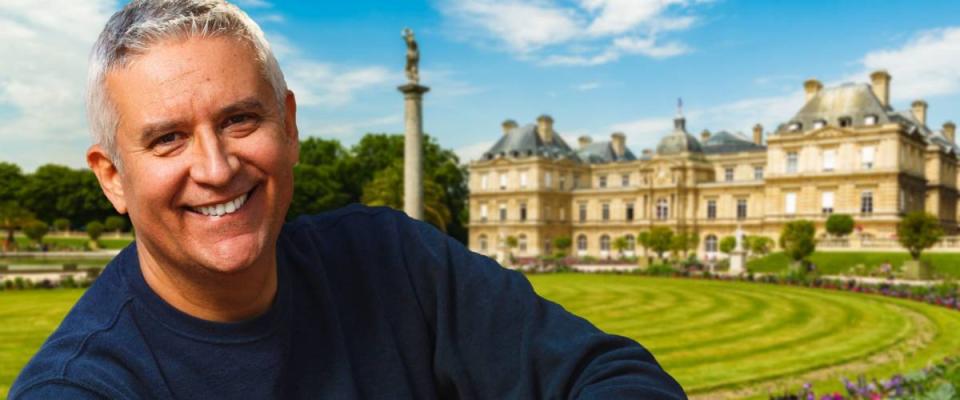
679 140
524 142
857 101
725 142
602 152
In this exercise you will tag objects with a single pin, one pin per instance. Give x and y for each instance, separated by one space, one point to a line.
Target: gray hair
142 23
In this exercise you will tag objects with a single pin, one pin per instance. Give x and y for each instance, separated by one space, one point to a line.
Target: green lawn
26 319
719 339
736 339
77 243
945 264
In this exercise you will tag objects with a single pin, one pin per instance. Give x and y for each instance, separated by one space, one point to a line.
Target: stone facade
846 151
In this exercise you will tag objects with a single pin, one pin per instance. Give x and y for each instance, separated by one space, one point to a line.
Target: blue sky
596 66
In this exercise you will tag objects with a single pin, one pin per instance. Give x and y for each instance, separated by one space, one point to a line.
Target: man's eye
167 139
238 119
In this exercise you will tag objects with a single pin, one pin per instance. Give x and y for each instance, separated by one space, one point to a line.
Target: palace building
845 151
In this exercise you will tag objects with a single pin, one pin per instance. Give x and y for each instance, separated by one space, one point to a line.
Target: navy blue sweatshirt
370 304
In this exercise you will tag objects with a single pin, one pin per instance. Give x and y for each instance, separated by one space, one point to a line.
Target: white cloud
275 18
324 84
347 129
583 33
43 73
473 152
926 66
587 86
445 84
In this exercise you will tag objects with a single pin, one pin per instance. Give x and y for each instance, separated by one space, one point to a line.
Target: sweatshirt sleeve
496 338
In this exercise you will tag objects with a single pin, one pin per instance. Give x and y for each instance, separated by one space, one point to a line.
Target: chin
234 257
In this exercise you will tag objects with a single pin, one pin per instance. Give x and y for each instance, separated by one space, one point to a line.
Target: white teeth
219 210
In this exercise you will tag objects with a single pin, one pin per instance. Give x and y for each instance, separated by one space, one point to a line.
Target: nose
215 164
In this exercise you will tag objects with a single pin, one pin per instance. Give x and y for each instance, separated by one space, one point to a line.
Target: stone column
413 149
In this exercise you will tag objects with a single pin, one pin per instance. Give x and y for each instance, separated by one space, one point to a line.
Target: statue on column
413 57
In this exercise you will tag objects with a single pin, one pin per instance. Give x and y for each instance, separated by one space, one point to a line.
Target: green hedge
945 264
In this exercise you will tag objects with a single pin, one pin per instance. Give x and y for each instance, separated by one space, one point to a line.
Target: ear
290 124
108 175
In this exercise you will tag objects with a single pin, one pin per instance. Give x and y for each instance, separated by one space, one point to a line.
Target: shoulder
354 216
78 350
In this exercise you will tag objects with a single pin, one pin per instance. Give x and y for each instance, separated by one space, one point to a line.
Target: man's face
207 155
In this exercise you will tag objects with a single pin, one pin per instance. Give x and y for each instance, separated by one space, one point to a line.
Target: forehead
186 76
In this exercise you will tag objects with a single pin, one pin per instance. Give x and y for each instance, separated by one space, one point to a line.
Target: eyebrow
153 130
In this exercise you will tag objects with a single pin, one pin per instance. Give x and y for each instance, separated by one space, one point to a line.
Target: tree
643 239
36 230
797 239
678 244
12 217
386 189
115 224
727 244
759 245
11 181
94 230
918 231
693 242
660 240
316 189
61 224
55 190
840 224
562 244
511 242
620 244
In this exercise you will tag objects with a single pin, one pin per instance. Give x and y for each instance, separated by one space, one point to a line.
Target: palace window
523 179
503 212
582 243
483 212
710 244
624 180
483 181
866 157
790 206
819 124
728 174
548 179
604 243
631 243
663 209
866 202
711 209
629 212
563 182
758 173
602 181
795 127
503 181
845 122
522 243
826 200
605 211
792 162
741 208
870 120
483 243
523 211
829 159
583 212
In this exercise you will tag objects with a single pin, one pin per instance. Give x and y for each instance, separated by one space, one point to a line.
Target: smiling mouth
219 210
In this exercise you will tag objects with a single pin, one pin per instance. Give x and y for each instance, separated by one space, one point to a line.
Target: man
195 138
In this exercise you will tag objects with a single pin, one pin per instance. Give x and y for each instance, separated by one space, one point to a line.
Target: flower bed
939 381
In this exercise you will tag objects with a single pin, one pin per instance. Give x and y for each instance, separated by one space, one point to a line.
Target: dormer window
819 124
845 122
870 120
795 127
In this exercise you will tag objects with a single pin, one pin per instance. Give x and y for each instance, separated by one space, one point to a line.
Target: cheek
154 184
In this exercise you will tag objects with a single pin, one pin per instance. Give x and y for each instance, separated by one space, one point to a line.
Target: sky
595 66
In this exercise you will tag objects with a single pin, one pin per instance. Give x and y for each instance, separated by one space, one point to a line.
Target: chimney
508 125
584 141
812 88
758 134
920 111
619 143
880 83
680 124
705 135
647 153
949 131
545 128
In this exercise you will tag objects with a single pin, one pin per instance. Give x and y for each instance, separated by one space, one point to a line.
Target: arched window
522 243
604 243
547 246
631 243
483 242
582 243
710 244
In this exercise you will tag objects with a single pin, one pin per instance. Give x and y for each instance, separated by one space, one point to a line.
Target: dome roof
679 141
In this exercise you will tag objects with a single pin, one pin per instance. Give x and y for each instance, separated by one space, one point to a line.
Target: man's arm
55 389
496 338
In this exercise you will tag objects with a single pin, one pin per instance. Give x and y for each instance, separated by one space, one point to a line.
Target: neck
211 296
